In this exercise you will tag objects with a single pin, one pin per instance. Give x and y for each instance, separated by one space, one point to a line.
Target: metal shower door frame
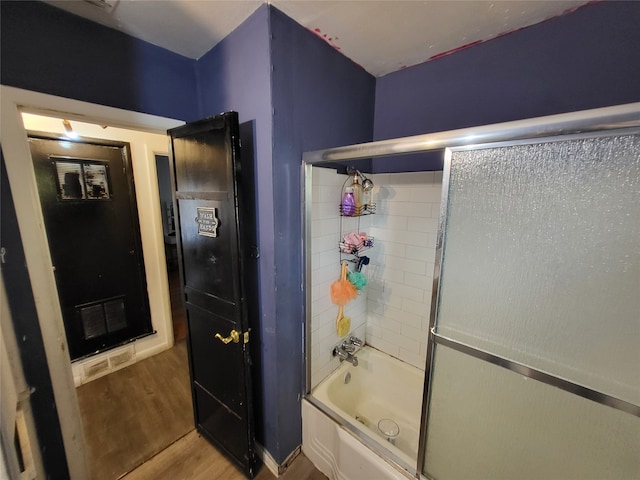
520 368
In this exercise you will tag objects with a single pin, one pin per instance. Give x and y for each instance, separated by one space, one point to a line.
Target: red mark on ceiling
331 41
326 37
477 42
454 50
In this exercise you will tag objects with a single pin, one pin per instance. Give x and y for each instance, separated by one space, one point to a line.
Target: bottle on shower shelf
366 199
348 202
357 195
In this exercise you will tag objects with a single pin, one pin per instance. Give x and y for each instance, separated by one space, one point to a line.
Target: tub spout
344 355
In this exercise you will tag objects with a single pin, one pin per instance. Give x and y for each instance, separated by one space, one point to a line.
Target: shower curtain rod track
606 118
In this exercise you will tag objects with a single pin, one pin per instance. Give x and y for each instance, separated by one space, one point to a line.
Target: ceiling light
69 129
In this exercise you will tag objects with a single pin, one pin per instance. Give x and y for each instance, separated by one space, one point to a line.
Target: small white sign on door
207 221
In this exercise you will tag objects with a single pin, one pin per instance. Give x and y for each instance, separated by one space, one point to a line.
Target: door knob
234 336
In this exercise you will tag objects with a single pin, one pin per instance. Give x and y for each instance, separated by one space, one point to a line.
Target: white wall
144 147
392 313
401 269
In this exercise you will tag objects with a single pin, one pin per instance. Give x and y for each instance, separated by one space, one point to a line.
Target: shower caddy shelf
351 251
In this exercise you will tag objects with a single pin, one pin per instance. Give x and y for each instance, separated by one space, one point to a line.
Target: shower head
367 184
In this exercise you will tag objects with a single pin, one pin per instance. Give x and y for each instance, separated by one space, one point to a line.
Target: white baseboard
139 351
270 463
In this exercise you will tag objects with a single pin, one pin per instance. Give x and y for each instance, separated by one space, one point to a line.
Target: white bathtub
380 387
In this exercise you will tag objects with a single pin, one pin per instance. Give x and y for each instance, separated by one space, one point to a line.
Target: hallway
138 425
134 413
138 421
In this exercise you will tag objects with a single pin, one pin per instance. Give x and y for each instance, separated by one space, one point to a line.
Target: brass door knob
234 336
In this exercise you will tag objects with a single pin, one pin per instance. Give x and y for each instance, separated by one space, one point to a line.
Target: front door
89 206
215 253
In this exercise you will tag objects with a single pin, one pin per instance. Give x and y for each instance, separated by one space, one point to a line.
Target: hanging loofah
343 291
357 279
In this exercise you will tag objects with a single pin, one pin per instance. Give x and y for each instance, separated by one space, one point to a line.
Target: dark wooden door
212 186
89 207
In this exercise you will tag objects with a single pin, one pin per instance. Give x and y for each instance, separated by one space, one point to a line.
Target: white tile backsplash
426 225
406 264
392 312
398 320
409 209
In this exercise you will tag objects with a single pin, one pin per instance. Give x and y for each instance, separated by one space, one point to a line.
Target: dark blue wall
315 98
586 59
320 99
236 75
47 50
301 95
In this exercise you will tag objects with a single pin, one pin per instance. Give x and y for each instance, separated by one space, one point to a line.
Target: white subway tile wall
392 312
326 224
402 262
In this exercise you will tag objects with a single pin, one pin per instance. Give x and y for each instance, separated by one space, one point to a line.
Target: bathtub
342 415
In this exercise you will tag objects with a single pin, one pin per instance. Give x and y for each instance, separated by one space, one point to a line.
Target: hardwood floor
138 421
193 458
134 413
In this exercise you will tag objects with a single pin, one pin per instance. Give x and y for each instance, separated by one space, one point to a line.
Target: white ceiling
381 36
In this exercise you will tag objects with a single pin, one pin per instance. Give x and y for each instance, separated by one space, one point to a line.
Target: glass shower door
535 351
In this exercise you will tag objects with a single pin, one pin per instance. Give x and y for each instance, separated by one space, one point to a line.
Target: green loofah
357 279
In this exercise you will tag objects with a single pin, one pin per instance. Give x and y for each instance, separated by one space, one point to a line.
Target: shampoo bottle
366 199
357 195
348 202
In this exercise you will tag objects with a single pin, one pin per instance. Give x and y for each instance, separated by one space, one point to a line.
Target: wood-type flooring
193 458
134 413
138 425
138 421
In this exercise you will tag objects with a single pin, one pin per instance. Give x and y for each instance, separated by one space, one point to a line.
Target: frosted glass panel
488 423
542 258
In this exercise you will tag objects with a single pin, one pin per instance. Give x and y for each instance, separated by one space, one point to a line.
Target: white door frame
20 172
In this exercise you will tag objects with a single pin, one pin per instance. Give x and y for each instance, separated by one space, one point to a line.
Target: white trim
268 461
21 176
144 146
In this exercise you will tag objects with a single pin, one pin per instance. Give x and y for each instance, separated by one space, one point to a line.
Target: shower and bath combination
475 277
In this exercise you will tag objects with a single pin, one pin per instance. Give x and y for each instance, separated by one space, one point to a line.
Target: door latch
234 336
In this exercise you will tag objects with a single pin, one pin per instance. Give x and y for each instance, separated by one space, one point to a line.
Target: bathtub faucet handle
356 341
343 354
348 347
